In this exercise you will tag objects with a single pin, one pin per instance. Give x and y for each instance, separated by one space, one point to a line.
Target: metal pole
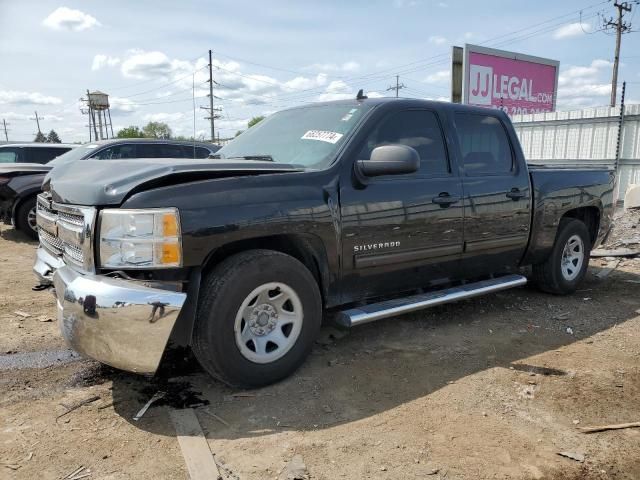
213 136
619 142
4 124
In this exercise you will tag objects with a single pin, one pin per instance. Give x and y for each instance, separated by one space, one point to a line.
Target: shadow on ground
379 366
15 235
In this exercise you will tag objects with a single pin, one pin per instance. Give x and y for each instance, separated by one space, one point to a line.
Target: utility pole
4 124
212 115
37 119
398 86
620 27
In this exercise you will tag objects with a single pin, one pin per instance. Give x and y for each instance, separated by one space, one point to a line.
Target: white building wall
584 137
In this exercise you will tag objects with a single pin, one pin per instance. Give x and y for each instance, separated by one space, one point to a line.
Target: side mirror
390 160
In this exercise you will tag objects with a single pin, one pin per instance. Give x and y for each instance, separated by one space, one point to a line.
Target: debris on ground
603 428
578 457
78 473
295 469
220 419
570 330
616 252
194 446
22 314
77 405
156 396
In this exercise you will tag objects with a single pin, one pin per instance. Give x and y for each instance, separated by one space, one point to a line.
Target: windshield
74 154
307 136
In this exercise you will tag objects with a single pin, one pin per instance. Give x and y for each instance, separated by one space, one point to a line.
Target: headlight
140 238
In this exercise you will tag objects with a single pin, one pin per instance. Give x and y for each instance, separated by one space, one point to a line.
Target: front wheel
258 315
26 218
567 265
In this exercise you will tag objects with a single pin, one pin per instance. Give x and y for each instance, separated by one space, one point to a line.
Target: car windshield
74 154
307 136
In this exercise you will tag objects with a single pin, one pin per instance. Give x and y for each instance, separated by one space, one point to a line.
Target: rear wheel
258 315
567 265
26 218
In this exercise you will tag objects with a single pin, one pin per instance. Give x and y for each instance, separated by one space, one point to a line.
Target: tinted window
200 152
44 155
169 151
116 152
484 144
9 155
415 128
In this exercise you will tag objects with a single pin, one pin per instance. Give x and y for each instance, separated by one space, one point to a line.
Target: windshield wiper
265 158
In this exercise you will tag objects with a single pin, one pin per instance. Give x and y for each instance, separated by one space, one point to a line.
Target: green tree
129 132
40 138
239 132
156 130
53 137
255 120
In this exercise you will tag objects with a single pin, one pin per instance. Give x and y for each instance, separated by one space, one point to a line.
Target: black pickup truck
361 210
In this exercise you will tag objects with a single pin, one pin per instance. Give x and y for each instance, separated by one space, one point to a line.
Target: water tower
98 103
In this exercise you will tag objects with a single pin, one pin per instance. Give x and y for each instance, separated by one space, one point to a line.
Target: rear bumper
118 322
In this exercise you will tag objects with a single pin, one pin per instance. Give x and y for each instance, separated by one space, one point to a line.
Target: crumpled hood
108 182
22 168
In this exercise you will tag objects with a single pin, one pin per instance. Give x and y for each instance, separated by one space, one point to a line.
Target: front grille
51 243
66 231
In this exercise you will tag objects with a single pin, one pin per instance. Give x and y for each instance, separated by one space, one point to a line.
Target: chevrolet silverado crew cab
363 209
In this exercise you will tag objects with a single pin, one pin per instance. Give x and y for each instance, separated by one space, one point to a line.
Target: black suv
19 184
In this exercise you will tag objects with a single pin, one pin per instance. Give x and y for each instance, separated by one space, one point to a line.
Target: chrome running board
398 306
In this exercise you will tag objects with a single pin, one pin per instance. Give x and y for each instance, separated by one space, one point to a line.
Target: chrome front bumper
118 322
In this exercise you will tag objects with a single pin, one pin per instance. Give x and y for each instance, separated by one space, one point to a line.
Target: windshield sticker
322 135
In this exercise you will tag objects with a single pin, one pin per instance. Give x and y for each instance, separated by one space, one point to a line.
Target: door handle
516 194
444 199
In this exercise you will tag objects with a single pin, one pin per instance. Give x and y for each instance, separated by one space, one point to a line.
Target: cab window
484 145
418 129
9 155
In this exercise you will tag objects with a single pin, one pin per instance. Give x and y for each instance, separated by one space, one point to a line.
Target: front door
400 232
497 200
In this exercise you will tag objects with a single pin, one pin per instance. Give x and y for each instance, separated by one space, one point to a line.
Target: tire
25 218
240 312
567 265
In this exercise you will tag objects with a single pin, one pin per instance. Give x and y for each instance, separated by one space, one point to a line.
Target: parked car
22 169
39 153
365 209
19 183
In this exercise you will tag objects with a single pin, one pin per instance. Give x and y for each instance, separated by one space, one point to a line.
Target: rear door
497 197
402 231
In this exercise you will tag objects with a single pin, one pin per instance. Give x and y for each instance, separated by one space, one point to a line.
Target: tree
53 137
255 120
130 132
239 132
156 130
40 138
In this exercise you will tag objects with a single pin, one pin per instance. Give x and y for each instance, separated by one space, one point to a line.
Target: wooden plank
194 445
603 428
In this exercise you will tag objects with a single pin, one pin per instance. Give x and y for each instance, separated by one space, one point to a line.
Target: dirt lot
492 388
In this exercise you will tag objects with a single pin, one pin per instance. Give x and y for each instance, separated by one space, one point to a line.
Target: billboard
510 81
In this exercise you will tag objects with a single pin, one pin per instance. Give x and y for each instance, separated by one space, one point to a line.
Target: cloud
27 98
572 30
101 61
124 106
63 18
439 78
336 90
583 86
437 40
25 116
350 66
163 117
143 65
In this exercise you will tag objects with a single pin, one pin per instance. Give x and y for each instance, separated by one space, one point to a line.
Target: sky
150 56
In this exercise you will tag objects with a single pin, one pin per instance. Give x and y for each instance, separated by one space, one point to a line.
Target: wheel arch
590 216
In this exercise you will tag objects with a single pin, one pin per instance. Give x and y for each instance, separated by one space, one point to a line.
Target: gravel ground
494 387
